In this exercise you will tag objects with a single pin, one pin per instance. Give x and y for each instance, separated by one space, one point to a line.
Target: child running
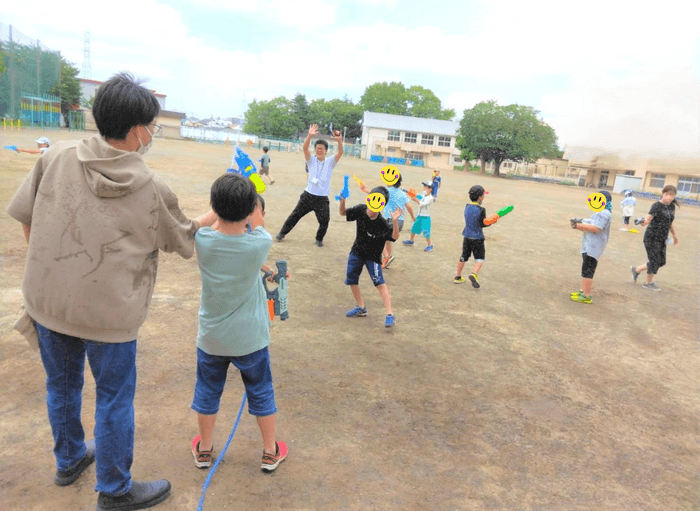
596 232
627 204
234 322
475 220
372 232
265 165
422 222
437 182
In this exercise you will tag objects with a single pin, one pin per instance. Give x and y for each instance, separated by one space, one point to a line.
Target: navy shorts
471 246
355 264
256 376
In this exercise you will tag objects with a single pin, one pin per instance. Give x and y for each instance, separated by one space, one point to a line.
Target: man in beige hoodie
95 218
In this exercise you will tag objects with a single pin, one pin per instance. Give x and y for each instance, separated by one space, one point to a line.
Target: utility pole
12 76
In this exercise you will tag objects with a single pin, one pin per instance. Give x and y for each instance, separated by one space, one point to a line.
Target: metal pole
12 76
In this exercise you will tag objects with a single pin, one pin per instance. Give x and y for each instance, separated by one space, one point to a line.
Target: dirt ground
511 397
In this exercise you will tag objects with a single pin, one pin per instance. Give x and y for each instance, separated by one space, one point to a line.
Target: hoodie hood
111 172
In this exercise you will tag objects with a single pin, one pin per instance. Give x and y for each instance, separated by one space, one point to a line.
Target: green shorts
421 226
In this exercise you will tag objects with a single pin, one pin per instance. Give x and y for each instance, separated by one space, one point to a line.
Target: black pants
308 203
588 267
656 253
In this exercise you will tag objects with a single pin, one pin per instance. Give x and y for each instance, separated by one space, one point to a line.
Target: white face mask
143 149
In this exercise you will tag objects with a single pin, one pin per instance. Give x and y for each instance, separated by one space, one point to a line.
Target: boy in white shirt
627 204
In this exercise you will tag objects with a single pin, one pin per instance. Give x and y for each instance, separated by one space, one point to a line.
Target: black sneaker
66 477
141 496
319 243
279 237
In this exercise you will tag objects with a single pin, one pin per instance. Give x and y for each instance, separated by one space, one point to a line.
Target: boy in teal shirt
234 322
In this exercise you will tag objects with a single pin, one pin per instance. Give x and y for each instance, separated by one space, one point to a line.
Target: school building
597 168
407 140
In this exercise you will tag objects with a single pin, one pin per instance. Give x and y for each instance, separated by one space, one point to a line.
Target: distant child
596 232
372 232
234 322
627 204
475 220
397 199
42 145
265 165
437 182
422 222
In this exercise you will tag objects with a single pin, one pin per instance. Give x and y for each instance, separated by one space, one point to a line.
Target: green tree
422 102
342 113
68 87
385 98
497 133
301 109
275 118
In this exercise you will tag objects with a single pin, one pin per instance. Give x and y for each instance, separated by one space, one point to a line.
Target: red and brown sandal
202 459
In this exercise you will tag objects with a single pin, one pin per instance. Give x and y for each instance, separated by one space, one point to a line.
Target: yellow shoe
581 298
460 280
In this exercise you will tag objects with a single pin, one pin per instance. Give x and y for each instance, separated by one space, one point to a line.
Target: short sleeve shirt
397 199
474 216
424 208
233 314
372 234
321 172
265 160
662 219
593 244
628 204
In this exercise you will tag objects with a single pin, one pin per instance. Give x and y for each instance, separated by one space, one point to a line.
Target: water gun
639 220
412 194
345 192
11 147
501 212
246 168
359 181
277 299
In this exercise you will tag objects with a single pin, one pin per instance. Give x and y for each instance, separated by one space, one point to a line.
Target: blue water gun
345 192
247 168
11 147
278 296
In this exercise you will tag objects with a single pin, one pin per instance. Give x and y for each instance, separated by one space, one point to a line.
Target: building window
437 155
427 139
657 180
687 184
414 156
457 159
444 141
629 173
394 136
391 150
410 138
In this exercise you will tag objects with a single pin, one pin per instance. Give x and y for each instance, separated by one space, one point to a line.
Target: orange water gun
501 212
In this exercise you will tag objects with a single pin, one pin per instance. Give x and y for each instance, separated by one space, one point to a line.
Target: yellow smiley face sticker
596 201
376 201
390 174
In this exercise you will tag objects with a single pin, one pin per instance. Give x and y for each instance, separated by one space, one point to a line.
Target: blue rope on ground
221 456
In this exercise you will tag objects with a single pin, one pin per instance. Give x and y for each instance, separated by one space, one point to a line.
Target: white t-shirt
425 202
320 173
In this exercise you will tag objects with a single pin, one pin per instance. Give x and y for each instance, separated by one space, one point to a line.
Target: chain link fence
31 68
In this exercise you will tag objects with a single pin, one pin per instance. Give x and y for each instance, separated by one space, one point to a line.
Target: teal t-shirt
233 314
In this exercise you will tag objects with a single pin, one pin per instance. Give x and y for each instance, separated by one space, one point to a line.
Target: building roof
170 113
405 123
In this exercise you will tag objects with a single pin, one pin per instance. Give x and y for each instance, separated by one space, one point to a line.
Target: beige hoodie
98 218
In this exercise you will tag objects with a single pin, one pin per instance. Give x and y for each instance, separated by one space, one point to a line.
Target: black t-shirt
660 224
371 233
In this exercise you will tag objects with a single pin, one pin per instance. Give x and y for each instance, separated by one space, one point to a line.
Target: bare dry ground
511 397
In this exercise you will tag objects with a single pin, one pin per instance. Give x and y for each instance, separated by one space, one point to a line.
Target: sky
608 74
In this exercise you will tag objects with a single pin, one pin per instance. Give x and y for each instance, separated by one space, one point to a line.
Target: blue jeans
113 366
256 376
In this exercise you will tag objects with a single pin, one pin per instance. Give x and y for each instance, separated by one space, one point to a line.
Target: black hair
233 197
262 202
383 190
398 182
674 191
265 149
475 192
122 103
322 142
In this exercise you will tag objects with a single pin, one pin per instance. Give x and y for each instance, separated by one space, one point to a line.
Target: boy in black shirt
475 220
373 231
